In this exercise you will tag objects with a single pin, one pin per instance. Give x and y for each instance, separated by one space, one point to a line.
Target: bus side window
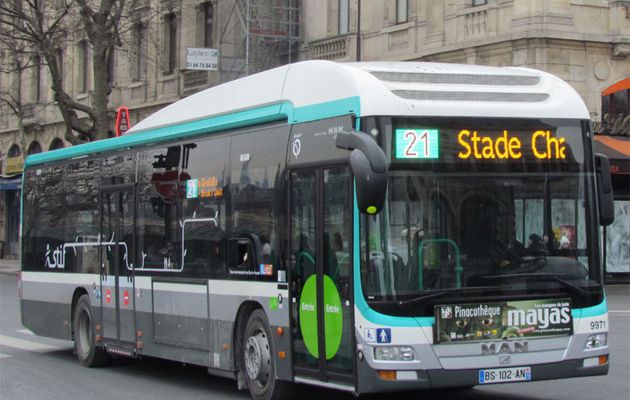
203 216
158 236
256 165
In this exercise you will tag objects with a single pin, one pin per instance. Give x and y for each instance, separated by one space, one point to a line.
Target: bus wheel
258 362
88 353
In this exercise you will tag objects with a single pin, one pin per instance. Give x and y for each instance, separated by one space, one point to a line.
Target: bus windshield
458 228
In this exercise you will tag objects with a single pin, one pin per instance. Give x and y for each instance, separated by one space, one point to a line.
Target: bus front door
321 275
117 277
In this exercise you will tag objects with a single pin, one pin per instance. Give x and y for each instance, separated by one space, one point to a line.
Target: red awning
621 85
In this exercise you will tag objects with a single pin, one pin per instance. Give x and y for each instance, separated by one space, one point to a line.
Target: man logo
504 348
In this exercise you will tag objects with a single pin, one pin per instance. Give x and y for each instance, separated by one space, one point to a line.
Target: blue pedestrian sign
383 335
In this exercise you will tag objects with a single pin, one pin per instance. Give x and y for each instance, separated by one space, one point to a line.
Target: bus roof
386 88
312 90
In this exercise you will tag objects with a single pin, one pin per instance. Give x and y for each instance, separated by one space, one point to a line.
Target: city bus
366 227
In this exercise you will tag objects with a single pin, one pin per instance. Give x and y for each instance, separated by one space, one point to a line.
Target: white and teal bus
367 227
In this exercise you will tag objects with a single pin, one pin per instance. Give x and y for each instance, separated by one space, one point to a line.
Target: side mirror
369 166
604 190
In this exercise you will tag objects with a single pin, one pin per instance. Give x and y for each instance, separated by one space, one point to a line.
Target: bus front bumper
369 380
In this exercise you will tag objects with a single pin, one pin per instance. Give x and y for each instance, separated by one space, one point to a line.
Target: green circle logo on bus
333 318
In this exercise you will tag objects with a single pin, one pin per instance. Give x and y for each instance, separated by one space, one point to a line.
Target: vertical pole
289 29
248 13
358 30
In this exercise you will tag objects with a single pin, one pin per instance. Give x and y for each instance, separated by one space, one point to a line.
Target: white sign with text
202 59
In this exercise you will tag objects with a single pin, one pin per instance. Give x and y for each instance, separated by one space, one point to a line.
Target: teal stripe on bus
350 105
359 300
222 122
600 309
270 113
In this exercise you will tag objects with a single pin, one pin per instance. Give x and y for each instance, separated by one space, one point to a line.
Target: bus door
321 275
117 270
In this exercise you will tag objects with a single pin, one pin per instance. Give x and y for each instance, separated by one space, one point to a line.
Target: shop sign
13 165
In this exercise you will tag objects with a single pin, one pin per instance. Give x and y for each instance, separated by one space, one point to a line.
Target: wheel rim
84 333
258 358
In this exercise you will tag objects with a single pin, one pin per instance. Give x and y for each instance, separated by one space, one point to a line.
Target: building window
615 109
84 61
206 15
402 11
56 144
139 64
617 103
34 148
111 67
170 43
14 151
59 58
476 3
344 16
36 89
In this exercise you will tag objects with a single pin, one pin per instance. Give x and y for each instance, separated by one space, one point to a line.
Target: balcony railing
335 48
194 81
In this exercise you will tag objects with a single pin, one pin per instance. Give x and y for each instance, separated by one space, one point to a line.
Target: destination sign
542 145
467 144
204 187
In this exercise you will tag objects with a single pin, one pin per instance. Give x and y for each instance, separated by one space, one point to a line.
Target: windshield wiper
439 293
555 277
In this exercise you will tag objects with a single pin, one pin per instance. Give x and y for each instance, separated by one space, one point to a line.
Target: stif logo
446 312
296 148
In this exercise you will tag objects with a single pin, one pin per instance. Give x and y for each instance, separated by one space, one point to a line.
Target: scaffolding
258 35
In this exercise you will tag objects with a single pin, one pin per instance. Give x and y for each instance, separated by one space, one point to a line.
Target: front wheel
87 352
258 362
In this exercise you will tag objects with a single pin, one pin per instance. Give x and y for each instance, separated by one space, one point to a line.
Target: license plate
499 375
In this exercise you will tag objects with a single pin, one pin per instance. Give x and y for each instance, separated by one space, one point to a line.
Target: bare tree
44 26
102 23
16 60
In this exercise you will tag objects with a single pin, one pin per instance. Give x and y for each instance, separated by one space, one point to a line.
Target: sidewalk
9 267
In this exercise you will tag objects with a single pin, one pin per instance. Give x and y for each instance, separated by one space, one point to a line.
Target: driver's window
242 257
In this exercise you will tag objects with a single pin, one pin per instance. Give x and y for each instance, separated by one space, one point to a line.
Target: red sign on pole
122 121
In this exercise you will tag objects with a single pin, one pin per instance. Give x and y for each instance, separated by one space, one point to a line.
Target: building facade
149 71
585 42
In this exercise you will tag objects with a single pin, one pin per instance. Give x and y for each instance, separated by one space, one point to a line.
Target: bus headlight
401 353
596 341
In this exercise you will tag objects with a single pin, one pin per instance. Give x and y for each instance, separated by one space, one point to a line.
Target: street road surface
36 368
